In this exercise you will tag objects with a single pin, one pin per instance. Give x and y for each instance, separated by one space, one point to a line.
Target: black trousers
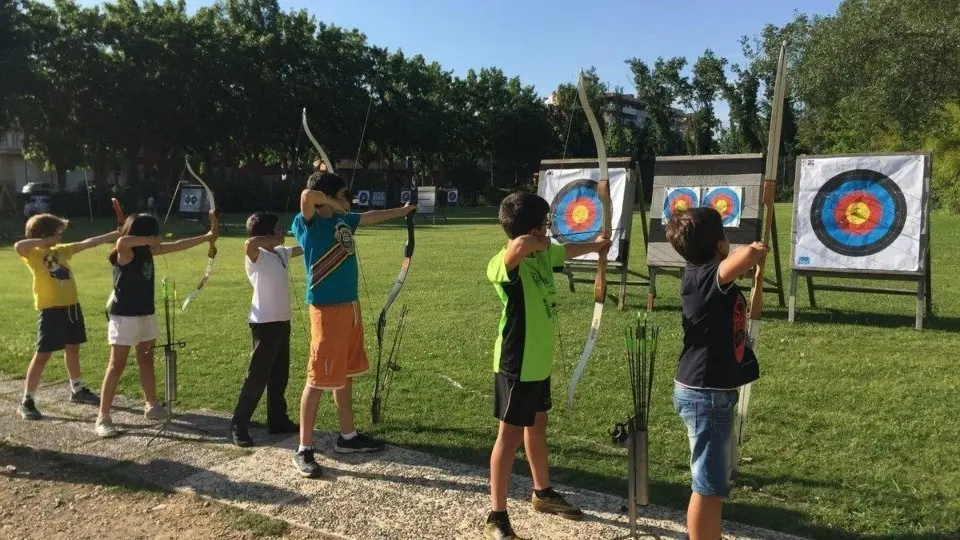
269 369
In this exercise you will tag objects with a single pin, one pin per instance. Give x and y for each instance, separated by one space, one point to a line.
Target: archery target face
727 200
677 199
576 212
860 213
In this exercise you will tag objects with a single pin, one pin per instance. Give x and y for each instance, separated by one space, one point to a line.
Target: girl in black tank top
132 303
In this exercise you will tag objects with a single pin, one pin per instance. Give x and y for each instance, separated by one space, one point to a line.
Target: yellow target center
580 215
857 213
720 206
681 205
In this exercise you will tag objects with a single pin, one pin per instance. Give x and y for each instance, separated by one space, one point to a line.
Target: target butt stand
624 200
170 371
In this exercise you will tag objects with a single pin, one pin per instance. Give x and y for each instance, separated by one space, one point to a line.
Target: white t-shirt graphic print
271 285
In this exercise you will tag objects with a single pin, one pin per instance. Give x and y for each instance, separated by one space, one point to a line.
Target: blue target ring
726 201
858 213
577 212
679 199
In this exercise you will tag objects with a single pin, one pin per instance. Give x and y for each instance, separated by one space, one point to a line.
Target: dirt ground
47 498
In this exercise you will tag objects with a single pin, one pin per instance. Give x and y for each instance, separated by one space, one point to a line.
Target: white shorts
129 331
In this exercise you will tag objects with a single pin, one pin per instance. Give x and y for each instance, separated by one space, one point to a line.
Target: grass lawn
853 427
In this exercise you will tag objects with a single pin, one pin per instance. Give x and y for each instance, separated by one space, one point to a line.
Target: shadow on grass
673 496
859 318
125 474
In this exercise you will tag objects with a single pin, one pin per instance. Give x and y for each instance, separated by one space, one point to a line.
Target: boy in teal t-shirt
522 274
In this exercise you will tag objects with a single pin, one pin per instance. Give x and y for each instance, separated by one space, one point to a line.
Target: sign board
426 200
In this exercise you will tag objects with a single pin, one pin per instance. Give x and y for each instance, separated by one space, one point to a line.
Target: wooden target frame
742 171
921 277
634 196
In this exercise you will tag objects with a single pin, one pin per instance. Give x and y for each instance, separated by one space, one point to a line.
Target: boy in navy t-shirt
717 357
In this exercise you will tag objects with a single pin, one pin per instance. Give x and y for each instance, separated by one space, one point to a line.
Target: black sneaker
240 437
360 443
28 410
85 396
284 426
554 503
305 463
499 531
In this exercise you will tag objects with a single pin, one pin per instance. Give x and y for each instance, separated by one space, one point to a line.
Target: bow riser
769 192
408 248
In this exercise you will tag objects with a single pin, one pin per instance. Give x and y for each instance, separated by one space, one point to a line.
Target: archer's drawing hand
51 241
603 244
529 243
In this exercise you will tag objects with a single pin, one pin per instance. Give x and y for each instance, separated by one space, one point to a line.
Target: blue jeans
708 415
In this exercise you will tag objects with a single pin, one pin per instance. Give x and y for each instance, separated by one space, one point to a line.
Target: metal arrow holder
170 372
641 344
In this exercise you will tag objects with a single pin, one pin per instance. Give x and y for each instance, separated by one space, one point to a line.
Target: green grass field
853 428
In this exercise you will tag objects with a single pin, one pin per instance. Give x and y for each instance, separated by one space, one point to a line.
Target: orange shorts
336 346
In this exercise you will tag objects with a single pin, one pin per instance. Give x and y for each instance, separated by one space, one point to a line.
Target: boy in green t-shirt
522 274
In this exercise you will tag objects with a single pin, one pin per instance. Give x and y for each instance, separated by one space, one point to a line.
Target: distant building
16 171
630 108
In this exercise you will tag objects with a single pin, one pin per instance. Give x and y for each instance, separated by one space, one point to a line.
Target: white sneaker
155 412
105 429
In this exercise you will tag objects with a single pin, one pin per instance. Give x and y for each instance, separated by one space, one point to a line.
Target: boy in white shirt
267 263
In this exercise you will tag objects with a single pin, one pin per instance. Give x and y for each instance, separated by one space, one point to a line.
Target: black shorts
518 402
58 327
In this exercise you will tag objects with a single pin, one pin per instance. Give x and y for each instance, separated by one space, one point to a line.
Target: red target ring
858 212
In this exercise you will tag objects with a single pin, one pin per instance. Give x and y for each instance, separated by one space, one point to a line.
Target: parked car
37 188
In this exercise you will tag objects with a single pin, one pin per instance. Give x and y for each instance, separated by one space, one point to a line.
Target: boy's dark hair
521 212
327 183
44 225
261 224
694 233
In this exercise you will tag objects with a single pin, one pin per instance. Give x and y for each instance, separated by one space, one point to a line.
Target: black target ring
869 189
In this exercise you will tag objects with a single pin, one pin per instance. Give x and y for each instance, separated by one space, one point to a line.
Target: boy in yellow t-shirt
59 321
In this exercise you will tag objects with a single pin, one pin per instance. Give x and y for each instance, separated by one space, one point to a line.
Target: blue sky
546 43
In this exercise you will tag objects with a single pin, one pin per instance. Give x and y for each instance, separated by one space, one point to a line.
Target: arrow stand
170 373
641 343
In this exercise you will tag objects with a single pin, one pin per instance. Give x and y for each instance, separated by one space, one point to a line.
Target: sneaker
240 437
499 531
28 410
155 412
305 463
554 503
84 396
284 426
104 428
360 443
